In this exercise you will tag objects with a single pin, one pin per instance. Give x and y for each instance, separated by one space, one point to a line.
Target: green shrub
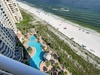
56 66
26 63
62 73
25 24
57 44
49 72
47 63
29 49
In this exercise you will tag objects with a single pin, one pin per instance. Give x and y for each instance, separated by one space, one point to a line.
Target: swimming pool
38 56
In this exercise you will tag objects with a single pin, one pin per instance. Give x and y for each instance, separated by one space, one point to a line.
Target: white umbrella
47 56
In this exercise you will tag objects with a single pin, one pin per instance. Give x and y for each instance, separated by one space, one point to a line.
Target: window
12 11
2 38
3 11
5 40
0 41
7 0
3 34
5 15
1 8
3 51
1 28
6 29
2 46
16 18
1 24
14 4
7 51
16 9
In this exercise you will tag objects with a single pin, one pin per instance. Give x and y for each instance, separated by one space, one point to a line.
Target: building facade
7 30
13 10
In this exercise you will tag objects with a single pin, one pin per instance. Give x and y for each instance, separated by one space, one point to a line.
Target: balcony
17 68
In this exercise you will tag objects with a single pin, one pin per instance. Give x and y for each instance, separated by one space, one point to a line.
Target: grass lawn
84 67
25 24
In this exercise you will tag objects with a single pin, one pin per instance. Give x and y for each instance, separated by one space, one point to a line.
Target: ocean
82 12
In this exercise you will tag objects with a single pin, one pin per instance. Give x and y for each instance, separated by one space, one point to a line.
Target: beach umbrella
47 56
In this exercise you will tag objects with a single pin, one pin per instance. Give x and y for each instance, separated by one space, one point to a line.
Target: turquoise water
38 56
83 12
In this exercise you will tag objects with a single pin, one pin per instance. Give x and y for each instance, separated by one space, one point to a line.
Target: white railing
17 68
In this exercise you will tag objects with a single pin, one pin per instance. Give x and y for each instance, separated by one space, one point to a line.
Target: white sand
91 40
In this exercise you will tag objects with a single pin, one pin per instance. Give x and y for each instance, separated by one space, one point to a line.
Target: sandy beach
85 37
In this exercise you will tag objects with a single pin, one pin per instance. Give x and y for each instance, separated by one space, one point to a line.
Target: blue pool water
38 56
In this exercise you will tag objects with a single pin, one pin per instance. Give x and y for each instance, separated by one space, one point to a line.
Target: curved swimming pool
38 56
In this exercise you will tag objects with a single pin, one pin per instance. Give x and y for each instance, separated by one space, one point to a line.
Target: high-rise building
8 27
9 16
12 9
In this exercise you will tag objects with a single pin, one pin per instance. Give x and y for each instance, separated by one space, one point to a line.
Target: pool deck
43 64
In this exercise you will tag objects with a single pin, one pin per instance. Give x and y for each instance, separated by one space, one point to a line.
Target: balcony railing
17 68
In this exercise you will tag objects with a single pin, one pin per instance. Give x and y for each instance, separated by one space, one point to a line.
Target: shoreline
63 19
71 30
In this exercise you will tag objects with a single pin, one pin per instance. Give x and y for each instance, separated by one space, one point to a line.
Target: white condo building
12 9
9 15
